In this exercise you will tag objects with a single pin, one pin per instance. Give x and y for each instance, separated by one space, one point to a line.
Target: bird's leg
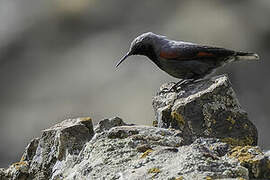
179 83
199 80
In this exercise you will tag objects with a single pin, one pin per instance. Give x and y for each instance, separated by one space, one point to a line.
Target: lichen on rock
254 159
208 108
70 150
201 133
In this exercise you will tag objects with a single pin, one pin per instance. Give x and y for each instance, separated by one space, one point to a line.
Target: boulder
207 108
56 144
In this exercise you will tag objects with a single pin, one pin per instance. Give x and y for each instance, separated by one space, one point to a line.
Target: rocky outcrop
177 149
70 151
55 145
208 108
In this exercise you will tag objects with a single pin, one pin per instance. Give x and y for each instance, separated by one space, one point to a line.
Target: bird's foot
181 83
174 88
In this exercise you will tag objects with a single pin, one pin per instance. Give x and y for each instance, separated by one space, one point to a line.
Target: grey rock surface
208 108
71 150
55 145
202 133
107 124
251 157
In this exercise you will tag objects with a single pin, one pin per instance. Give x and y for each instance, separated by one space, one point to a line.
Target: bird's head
141 45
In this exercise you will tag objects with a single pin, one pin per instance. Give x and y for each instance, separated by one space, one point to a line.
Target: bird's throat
149 52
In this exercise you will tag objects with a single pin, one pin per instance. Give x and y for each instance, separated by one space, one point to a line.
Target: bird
186 61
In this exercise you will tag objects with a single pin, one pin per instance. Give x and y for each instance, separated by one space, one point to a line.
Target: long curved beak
122 59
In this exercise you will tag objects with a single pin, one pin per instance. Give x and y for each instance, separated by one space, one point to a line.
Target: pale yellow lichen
178 117
242 178
231 120
23 158
268 164
244 156
155 123
209 130
85 119
208 178
19 164
248 140
154 170
180 178
146 153
162 133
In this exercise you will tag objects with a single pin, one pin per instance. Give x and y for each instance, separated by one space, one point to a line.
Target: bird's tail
246 56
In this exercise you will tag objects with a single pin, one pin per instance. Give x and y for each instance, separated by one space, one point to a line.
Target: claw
181 82
174 88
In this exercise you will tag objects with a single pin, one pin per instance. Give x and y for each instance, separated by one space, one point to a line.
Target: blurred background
57 60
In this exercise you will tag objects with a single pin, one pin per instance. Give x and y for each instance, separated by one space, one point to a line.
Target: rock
107 124
201 133
56 144
208 108
70 150
30 150
251 157
16 171
3 174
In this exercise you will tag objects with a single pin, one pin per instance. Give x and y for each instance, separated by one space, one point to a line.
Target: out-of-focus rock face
71 150
208 108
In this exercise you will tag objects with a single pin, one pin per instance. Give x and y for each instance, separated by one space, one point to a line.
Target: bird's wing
189 51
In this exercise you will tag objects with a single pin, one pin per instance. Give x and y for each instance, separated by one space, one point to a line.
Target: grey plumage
183 60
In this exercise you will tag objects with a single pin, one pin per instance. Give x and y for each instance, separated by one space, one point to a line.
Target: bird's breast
186 69
174 67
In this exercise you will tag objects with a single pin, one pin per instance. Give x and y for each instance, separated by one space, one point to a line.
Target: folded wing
183 51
